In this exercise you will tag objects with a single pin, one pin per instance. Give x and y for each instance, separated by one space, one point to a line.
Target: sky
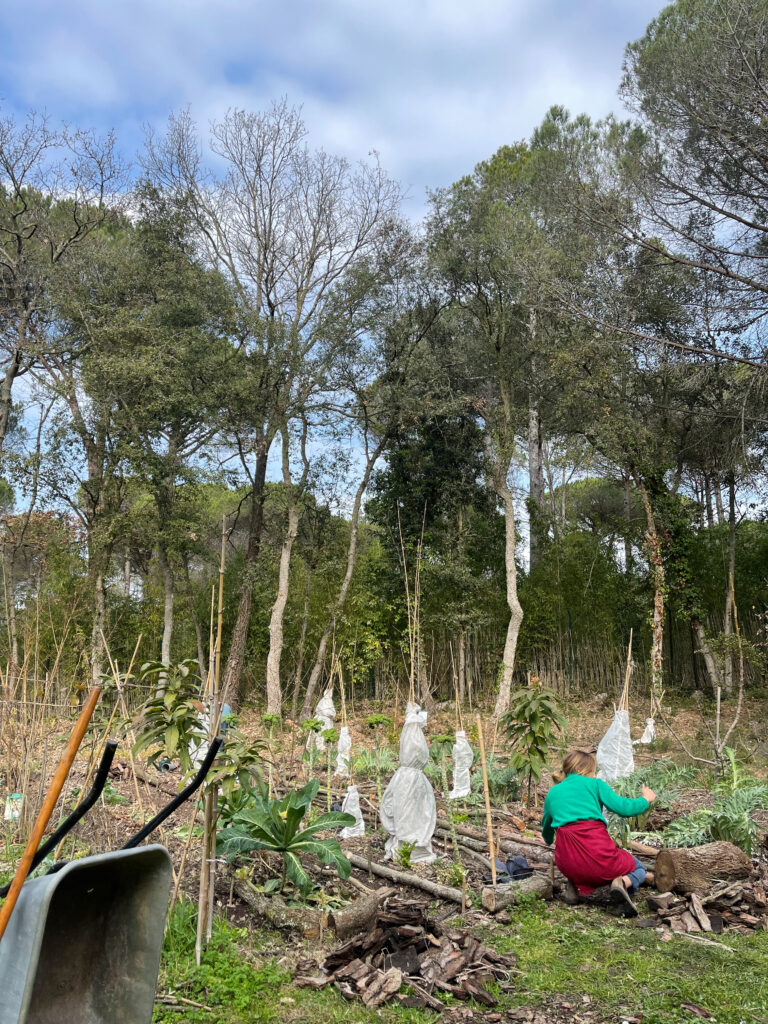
433 86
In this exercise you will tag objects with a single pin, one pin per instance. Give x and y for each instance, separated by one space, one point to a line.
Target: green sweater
579 798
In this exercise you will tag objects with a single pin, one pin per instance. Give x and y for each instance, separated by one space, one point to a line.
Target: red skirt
587 855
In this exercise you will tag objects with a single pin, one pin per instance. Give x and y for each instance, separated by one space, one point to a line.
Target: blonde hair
577 762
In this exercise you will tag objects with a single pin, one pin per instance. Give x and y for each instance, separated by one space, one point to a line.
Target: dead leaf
699 1011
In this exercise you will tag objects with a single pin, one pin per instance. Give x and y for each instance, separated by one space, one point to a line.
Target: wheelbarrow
83 944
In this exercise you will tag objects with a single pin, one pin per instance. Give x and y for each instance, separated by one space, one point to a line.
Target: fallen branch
358 915
496 897
444 892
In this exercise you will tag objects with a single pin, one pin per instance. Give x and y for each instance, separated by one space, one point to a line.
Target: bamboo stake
489 820
208 865
624 702
51 797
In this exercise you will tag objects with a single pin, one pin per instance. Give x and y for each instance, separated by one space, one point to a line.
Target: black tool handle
82 808
168 810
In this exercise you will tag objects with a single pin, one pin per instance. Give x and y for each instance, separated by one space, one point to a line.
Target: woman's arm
547 832
624 806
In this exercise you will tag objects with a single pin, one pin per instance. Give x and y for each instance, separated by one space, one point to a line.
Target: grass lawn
574 964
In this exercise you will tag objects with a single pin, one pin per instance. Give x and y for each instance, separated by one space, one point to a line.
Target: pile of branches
402 946
740 906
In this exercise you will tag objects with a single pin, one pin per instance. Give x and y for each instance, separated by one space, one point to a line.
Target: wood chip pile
740 906
404 947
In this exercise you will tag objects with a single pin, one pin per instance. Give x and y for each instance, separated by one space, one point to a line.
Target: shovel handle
51 797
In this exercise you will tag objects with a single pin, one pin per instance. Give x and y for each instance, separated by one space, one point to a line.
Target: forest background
478 447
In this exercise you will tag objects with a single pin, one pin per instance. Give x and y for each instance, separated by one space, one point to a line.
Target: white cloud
433 85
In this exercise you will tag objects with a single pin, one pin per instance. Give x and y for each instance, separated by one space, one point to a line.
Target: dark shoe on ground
571 895
622 899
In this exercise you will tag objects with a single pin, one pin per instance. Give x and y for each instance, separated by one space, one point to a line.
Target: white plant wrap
342 752
351 805
463 757
649 733
408 811
614 752
198 745
326 712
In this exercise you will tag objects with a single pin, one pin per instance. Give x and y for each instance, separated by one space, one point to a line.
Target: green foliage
690 829
275 825
503 784
227 977
170 720
237 763
403 854
370 763
533 725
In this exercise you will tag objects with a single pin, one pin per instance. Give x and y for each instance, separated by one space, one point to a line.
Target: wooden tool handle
49 803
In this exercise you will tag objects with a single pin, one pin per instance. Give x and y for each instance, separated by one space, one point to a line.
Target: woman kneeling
584 851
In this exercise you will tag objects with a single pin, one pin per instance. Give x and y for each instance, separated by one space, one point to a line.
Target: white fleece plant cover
351 805
463 757
614 752
198 745
326 712
408 811
649 733
342 752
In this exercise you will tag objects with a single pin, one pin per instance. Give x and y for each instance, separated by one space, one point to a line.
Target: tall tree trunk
6 392
317 668
728 618
708 501
535 485
718 501
515 609
628 521
274 691
710 662
99 622
658 578
293 495
169 593
302 642
234 668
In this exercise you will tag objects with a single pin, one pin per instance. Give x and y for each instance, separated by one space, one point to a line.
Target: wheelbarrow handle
187 792
99 782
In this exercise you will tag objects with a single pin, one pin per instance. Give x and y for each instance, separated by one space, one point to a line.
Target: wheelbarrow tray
83 945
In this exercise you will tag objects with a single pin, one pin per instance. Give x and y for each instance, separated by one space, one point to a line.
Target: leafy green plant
170 720
690 829
502 782
730 819
276 825
237 764
533 724
377 723
309 726
403 854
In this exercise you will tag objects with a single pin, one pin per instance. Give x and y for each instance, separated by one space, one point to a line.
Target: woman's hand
649 795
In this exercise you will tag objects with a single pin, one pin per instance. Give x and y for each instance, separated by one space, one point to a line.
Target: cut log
443 892
698 868
307 920
496 897
358 915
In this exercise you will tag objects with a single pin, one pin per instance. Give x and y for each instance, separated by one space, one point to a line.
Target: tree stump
698 868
